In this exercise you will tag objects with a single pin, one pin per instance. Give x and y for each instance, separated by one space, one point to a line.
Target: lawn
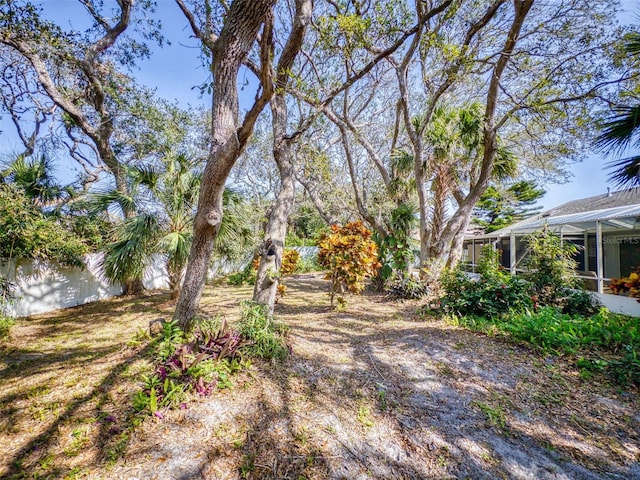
375 391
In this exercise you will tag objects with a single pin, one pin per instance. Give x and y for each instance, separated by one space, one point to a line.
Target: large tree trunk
230 49
272 250
443 247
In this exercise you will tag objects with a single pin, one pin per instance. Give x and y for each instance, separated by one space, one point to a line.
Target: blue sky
175 70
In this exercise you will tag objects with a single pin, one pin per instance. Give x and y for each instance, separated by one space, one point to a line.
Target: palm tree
622 130
165 197
34 176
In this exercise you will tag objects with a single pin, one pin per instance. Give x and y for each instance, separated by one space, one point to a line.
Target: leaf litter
374 391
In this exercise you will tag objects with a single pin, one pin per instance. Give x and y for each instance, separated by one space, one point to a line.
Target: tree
622 130
500 206
34 176
229 45
350 256
74 75
25 232
165 200
272 250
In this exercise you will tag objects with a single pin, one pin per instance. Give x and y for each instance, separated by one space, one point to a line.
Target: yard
376 391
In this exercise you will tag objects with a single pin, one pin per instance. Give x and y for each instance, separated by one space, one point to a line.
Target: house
606 228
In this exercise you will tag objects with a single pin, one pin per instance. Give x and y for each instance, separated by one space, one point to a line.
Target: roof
616 211
622 198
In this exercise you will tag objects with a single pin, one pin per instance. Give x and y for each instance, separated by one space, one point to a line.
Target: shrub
579 302
308 264
552 331
25 232
264 336
351 257
485 296
199 364
629 285
5 327
246 276
550 266
407 286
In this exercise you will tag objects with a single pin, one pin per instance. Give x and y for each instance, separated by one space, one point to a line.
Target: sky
175 71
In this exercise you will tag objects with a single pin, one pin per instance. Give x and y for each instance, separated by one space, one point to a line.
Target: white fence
46 286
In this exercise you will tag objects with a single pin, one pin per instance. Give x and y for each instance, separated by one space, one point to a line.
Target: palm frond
626 172
99 202
401 161
632 43
505 164
618 131
176 245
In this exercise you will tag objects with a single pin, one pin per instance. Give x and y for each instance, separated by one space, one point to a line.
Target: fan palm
165 198
34 176
622 130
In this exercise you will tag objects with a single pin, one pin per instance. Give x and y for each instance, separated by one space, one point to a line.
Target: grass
67 381
5 327
604 342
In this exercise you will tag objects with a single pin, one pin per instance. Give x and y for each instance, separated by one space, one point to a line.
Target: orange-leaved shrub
350 255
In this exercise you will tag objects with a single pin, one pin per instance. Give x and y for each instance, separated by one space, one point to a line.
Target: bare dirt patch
376 391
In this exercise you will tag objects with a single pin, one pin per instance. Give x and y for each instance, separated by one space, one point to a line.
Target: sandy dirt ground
378 391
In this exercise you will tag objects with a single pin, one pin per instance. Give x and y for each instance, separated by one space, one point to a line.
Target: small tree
500 206
351 257
550 266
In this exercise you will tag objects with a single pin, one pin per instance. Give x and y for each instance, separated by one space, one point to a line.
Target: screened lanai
606 227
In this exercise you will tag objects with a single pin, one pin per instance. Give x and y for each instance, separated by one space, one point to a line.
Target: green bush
5 327
550 267
407 286
246 276
266 336
579 302
487 296
25 232
308 264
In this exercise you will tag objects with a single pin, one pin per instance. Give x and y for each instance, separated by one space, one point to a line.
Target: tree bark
230 49
272 251
443 247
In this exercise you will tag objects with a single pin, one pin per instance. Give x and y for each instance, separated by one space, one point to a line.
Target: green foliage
351 257
5 326
34 176
236 236
25 232
266 336
304 225
199 363
165 225
622 129
550 266
552 331
495 292
499 206
487 296
125 259
246 276
397 249
407 286
308 264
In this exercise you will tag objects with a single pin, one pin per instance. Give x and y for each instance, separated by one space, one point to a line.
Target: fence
46 286
40 287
